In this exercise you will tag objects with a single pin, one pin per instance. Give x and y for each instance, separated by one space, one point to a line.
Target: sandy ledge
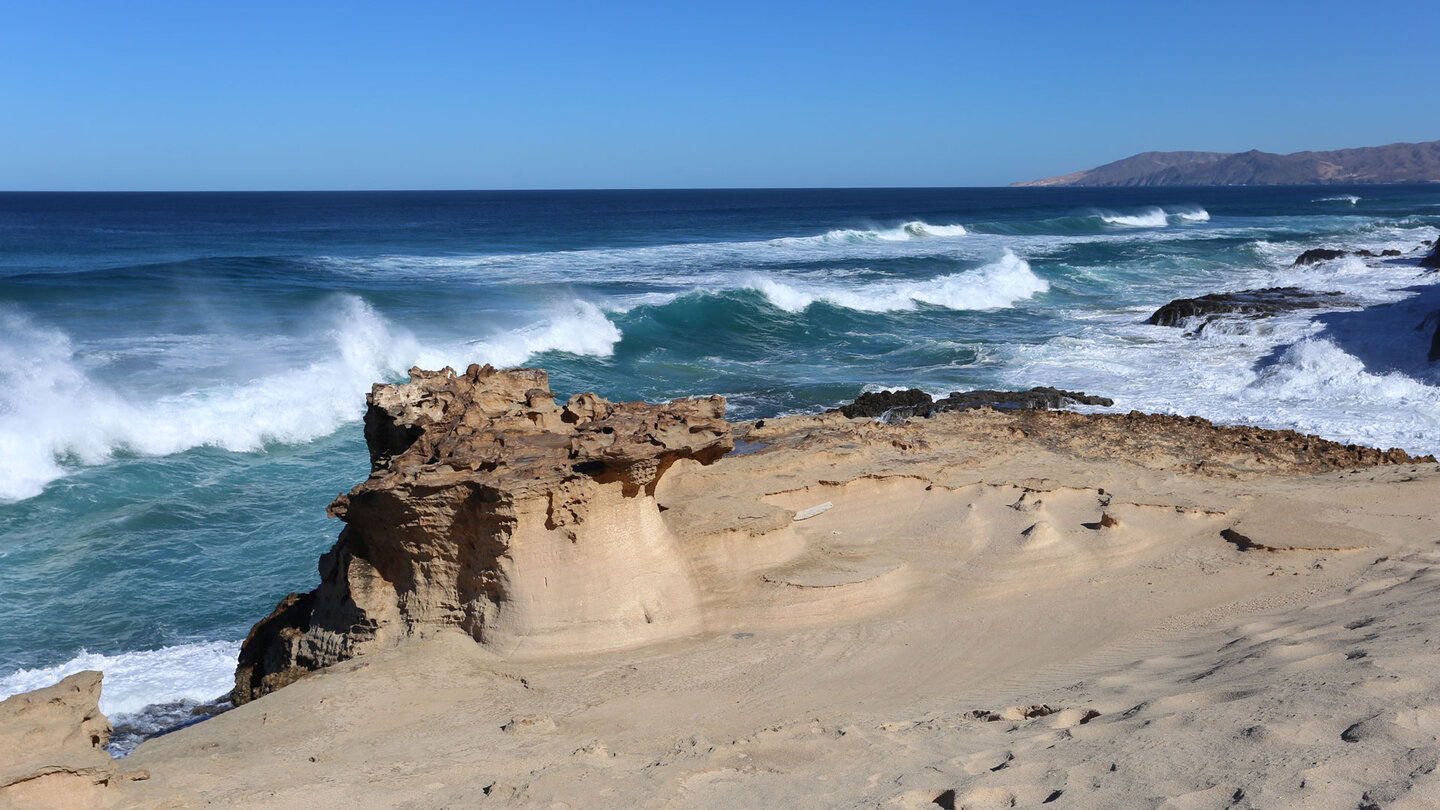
996 609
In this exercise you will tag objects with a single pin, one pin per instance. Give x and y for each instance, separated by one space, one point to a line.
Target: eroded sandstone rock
52 747
472 517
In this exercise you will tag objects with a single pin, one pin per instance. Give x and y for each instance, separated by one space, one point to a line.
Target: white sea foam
199 672
577 328
1196 214
849 236
661 265
1154 217
1360 376
53 411
1149 218
992 286
54 414
1345 198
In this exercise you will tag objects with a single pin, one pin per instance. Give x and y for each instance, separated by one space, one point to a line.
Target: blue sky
260 95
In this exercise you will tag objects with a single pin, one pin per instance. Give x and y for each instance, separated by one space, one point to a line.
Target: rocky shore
536 604
1236 309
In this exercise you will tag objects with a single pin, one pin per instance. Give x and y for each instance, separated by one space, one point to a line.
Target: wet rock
875 404
1248 304
1317 255
1433 260
908 404
492 509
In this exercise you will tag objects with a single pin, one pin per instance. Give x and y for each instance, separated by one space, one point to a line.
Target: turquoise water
182 375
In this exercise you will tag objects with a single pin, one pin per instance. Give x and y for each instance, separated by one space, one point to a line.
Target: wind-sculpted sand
981 609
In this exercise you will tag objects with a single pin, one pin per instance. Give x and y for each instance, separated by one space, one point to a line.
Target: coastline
878 577
995 607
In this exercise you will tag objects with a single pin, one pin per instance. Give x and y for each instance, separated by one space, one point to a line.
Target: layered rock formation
472 518
52 747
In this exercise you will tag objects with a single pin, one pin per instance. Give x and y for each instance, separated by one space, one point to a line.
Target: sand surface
973 621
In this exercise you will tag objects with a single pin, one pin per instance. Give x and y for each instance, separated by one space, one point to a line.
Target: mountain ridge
1392 163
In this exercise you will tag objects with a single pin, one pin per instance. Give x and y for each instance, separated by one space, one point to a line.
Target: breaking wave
992 286
580 328
135 680
55 414
900 233
1154 217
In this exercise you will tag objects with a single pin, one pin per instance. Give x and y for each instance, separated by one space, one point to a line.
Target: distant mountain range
1396 163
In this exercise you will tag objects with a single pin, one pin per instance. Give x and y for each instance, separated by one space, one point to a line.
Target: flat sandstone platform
995 610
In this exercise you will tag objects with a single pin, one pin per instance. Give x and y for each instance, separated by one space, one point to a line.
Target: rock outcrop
1318 255
489 508
897 406
1201 312
873 404
1433 260
52 747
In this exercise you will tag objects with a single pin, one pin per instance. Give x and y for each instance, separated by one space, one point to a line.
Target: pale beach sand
986 616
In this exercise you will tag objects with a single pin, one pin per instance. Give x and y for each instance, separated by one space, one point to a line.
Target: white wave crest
52 411
850 236
1330 391
1345 198
1154 217
992 286
134 680
55 415
1150 218
578 328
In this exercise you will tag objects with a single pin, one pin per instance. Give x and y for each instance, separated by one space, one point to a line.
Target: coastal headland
602 604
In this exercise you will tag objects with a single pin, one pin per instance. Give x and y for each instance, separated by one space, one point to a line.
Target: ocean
182 375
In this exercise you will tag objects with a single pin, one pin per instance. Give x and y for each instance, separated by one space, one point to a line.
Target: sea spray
55 413
1154 217
134 680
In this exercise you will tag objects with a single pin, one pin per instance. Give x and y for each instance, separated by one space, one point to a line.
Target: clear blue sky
320 95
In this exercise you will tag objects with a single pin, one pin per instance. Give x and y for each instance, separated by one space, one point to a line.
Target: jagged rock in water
52 746
1317 255
901 405
1433 260
492 509
1247 304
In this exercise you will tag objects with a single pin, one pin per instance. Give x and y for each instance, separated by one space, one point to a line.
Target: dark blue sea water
182 375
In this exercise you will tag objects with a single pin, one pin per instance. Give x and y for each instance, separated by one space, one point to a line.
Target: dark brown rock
877 403
897 406
1317 255
1433 260
1248 304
